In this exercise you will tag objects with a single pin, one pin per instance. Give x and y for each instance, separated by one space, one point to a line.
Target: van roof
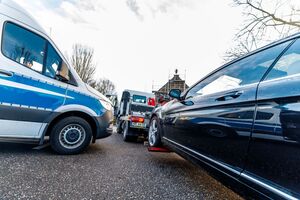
15 11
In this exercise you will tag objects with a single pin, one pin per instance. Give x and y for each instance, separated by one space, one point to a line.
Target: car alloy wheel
153 134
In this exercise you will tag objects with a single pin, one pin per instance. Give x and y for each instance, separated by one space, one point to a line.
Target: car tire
70 135
154 133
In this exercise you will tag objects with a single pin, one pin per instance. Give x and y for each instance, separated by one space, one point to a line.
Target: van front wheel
71 135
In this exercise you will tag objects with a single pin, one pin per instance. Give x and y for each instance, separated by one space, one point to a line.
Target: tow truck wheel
119 128
70 135
125 130
154 134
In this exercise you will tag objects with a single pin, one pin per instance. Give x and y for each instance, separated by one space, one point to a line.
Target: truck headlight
106 105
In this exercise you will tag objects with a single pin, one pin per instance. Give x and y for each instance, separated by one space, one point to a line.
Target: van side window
23 47
53 62
31 50
288 64
243 72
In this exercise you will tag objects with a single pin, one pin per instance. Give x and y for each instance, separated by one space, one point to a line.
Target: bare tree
82 61
265 20
240 49
105 86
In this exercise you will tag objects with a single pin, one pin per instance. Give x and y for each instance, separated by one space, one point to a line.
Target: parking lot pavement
109 169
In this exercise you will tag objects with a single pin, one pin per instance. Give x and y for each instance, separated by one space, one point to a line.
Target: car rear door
273 159
215 119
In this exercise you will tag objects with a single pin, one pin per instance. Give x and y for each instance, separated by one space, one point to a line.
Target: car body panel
260 143
274 152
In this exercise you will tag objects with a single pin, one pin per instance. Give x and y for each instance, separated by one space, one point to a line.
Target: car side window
288 64
23 46
243 72
53 62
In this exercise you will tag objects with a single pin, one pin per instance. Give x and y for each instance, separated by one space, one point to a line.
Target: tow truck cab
134 113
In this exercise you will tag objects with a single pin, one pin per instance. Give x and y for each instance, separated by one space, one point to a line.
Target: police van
40 93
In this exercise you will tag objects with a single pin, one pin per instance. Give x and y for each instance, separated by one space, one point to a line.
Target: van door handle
230 95
5 73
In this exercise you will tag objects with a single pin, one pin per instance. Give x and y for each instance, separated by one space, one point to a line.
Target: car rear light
137 119
151 102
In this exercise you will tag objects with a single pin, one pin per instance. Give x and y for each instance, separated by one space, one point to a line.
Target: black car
243 119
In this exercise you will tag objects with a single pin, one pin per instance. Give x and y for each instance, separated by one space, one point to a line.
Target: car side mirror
175 93
63 73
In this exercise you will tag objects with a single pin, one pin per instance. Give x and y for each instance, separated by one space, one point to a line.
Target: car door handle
230 95
5 73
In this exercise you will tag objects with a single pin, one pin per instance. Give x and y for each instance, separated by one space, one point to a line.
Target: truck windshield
139 99
140 108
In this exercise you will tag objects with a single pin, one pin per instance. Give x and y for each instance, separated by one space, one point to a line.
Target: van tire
70 135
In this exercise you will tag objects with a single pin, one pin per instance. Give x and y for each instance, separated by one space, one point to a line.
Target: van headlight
106 105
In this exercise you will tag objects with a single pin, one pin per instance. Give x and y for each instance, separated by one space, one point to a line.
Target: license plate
139 125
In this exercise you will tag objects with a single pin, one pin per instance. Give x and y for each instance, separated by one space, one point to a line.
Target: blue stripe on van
84 100
21 96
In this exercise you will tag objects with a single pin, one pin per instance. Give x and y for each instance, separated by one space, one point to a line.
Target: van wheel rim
72 136
153 133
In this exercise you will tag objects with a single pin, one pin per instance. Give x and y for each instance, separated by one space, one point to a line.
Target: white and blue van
40 94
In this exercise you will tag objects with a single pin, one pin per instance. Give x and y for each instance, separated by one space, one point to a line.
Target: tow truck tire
125 130
119 128
154 133
70 135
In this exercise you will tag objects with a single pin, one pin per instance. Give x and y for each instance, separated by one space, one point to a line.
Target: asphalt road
109 169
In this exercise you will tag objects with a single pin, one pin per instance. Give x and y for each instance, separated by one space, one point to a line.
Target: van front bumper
104 125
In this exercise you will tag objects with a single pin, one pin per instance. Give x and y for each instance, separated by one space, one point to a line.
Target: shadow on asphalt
18 148
170 160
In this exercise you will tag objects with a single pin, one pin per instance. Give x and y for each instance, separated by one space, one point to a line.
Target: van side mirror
175 93
63 73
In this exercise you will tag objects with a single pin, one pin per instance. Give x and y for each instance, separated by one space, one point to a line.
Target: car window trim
292 40
241 87
277 59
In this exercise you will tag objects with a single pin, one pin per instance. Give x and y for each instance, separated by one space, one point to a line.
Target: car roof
13 10
291 37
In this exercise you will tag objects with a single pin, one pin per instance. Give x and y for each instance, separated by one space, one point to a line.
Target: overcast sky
138 43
